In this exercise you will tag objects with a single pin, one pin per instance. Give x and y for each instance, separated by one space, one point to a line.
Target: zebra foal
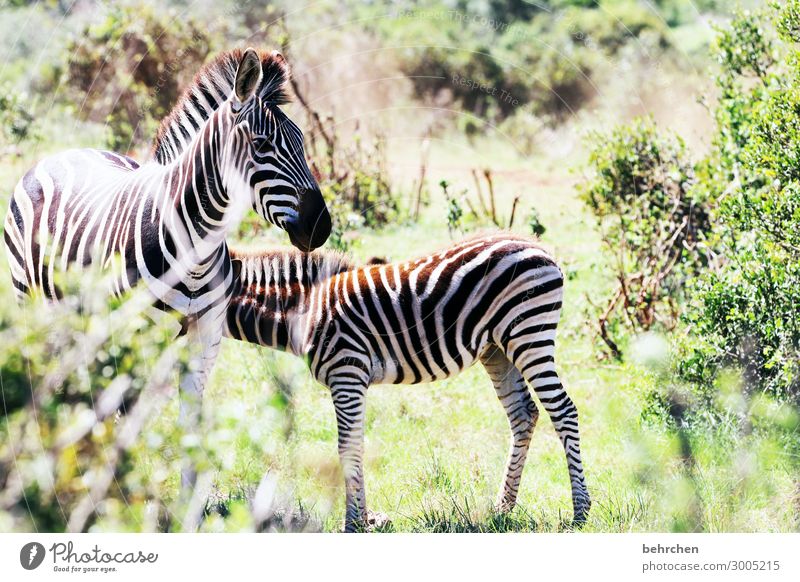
494 298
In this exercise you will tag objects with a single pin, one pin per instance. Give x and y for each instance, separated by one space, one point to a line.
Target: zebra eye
262 143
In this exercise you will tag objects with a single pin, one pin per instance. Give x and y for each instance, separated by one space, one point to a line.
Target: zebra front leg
349 400
522 416
204 346
536 362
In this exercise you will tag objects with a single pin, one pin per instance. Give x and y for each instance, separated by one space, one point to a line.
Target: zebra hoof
581 513
503 507
377 520
374 521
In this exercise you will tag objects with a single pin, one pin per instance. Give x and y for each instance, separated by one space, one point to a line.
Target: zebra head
284 191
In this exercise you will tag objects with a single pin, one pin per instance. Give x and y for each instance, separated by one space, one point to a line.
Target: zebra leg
349 400
205 345
535 360
522 416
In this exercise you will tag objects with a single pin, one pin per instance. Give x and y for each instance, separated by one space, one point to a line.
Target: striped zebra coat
225 146
494 299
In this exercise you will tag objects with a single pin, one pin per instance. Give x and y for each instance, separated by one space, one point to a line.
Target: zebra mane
325 263
211 86
322 264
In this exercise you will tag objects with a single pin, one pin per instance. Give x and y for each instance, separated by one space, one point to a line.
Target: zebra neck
278 295
267 297
198 180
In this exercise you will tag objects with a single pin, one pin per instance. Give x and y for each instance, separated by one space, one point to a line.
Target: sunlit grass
435 453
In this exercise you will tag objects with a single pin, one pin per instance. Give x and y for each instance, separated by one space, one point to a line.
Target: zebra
226 144
494 298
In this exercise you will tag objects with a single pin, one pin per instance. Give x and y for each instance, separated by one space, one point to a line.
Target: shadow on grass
282 518
612 514
462 516
451 514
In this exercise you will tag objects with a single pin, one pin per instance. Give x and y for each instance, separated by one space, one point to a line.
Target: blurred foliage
88 440
17 123
491 62
80 378
128 69
652 221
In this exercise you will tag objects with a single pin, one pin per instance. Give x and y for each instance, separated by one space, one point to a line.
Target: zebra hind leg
349 401
513 393
536 363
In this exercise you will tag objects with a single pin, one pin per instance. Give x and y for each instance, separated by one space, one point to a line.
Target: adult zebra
225 145
495 298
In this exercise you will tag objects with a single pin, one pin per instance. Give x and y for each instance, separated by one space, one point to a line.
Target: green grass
435 453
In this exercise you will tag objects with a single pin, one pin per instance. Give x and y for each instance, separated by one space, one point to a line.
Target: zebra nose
319 225
312 227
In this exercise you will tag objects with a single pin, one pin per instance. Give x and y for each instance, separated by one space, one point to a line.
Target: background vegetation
651 145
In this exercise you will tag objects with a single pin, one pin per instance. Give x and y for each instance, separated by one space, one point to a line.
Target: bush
738 362
88 438
491 64
552 70
641 193
613 26
450 62
17 123
747 311
129 69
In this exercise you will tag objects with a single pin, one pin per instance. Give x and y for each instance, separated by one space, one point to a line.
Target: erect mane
331 262
211 86
325 263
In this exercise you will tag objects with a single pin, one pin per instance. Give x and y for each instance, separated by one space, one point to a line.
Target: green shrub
17 122
747 310
640 191
490 63
129 69
88 438
738 359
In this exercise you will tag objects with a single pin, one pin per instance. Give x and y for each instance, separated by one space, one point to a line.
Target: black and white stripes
284 191
225 146
496 299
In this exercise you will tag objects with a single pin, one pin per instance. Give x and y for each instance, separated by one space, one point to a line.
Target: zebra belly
421 367
55 214
84 206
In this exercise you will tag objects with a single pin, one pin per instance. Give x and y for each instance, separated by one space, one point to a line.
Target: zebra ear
248 75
